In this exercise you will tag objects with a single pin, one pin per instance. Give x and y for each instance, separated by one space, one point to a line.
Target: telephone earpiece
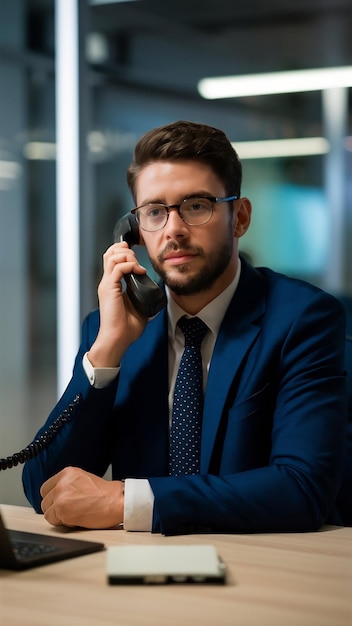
145 295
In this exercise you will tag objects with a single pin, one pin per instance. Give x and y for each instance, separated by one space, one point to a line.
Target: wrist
101 356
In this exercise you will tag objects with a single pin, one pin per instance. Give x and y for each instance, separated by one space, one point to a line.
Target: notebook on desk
21 550
165 564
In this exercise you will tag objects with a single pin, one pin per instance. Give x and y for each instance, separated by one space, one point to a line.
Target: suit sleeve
83 441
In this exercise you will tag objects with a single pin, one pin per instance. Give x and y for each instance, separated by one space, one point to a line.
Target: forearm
270 499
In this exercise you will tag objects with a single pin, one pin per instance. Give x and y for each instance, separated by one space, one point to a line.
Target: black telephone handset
145 295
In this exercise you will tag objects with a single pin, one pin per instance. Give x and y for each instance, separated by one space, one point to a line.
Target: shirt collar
212 314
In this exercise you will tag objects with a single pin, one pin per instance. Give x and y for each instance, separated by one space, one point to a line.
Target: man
273 423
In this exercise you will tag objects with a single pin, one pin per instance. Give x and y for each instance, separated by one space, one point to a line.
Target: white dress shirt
139 498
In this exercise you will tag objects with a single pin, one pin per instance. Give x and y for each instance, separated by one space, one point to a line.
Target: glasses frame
212 199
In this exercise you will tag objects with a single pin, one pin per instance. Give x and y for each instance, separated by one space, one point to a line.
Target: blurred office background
138 66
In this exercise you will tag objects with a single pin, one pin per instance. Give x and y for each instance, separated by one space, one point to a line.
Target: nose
175 226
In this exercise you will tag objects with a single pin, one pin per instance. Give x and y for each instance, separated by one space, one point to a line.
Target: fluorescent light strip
109 1
10 170
261 149
267 149
67 188
275 83
40 151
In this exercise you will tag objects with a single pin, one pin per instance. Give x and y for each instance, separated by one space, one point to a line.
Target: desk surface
274 580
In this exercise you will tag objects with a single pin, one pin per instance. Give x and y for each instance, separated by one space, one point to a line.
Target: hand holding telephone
145 295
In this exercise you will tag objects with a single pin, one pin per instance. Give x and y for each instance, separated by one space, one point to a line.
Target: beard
214 265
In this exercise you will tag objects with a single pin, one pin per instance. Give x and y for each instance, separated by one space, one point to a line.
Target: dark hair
182 141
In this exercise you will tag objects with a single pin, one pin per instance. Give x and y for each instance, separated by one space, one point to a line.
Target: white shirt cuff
99 377
139 503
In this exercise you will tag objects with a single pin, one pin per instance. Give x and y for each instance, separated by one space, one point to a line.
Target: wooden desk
274 580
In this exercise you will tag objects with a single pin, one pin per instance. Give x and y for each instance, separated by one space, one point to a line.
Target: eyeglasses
194 212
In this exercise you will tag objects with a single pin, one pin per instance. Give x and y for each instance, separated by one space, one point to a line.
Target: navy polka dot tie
188 401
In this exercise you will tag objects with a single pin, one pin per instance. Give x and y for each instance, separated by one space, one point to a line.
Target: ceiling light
109 1
9 170
271 148
40 150
275 82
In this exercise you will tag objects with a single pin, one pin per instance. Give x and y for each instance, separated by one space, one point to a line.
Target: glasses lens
152 216
196 210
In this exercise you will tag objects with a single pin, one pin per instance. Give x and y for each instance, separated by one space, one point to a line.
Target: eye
154 211
198 205
195 206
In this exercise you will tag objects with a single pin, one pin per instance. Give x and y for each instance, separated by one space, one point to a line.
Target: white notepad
164 565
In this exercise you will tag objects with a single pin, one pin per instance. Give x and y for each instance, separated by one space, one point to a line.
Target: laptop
21 550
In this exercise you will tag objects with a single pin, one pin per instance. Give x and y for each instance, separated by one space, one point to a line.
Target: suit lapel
238 331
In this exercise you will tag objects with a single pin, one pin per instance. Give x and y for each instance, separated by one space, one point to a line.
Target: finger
47 501
120 253
48 485
53 510
51 516
116 246
119 265
118 249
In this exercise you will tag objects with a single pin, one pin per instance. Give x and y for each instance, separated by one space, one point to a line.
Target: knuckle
69 471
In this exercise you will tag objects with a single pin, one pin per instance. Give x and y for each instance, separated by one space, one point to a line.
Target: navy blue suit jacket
274 421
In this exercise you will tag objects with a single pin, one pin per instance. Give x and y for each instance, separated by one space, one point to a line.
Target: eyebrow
194 194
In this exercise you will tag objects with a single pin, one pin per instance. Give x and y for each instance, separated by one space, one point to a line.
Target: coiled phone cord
34 448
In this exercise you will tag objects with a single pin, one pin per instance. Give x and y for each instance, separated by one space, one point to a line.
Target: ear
242 216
